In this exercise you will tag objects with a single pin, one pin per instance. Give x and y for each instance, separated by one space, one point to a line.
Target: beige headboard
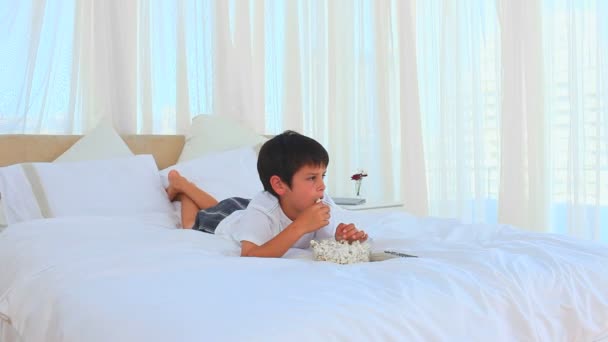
22 148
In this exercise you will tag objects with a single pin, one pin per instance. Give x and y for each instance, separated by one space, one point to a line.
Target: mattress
136 279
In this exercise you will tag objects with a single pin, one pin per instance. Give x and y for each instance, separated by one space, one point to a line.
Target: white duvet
128 279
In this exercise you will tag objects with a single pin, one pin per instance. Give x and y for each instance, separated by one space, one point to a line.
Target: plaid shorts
208 219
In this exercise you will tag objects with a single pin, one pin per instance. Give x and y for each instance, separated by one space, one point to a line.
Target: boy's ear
278 185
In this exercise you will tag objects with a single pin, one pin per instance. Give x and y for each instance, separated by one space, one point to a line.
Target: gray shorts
208 219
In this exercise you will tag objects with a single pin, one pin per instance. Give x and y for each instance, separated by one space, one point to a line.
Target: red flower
359 175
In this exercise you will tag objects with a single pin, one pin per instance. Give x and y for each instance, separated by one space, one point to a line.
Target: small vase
358 183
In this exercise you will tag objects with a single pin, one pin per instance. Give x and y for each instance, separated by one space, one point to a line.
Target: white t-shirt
264 219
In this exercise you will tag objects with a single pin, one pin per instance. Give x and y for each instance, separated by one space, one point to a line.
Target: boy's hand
350 233
314 218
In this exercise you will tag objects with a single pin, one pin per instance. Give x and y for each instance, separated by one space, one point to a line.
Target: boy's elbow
248 249
253 253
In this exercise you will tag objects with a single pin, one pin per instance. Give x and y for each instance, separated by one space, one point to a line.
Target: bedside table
375 206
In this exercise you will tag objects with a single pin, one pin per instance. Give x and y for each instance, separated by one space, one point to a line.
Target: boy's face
307 186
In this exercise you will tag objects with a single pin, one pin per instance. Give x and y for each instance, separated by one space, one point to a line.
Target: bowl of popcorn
340 252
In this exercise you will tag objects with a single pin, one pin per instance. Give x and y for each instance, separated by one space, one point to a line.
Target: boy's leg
179 184
189 210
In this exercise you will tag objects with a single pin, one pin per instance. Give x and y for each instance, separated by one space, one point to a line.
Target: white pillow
225 174
115 187
17 200
100 143
215 133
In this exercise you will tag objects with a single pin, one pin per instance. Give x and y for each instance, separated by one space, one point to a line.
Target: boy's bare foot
175 184
172 193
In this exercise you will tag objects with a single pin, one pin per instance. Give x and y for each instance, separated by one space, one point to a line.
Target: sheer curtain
575 36
485 111
513 101
523 182
104 66
340 71
460 91
344 72
36 66
555 142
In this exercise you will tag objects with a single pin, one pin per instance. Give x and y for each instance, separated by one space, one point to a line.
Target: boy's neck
290 212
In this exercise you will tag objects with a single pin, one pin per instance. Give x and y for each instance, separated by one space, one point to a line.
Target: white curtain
36 66
334 78
523 183
513 101
238 61
414 193
460 91
104 69
488 111
575 35
340 71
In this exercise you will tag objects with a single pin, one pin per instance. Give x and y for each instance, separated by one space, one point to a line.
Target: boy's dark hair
285 154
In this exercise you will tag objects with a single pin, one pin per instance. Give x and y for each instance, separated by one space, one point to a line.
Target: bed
101 277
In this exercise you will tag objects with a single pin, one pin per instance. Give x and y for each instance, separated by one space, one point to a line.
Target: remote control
381 256
403 255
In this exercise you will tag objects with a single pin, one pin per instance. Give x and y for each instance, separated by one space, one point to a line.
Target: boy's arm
275 247
312 219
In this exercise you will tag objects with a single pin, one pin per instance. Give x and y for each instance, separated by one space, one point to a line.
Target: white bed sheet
126 279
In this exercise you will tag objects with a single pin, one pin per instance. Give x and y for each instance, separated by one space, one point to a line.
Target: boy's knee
187 224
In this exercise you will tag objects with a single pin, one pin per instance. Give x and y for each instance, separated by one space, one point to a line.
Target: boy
290 212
